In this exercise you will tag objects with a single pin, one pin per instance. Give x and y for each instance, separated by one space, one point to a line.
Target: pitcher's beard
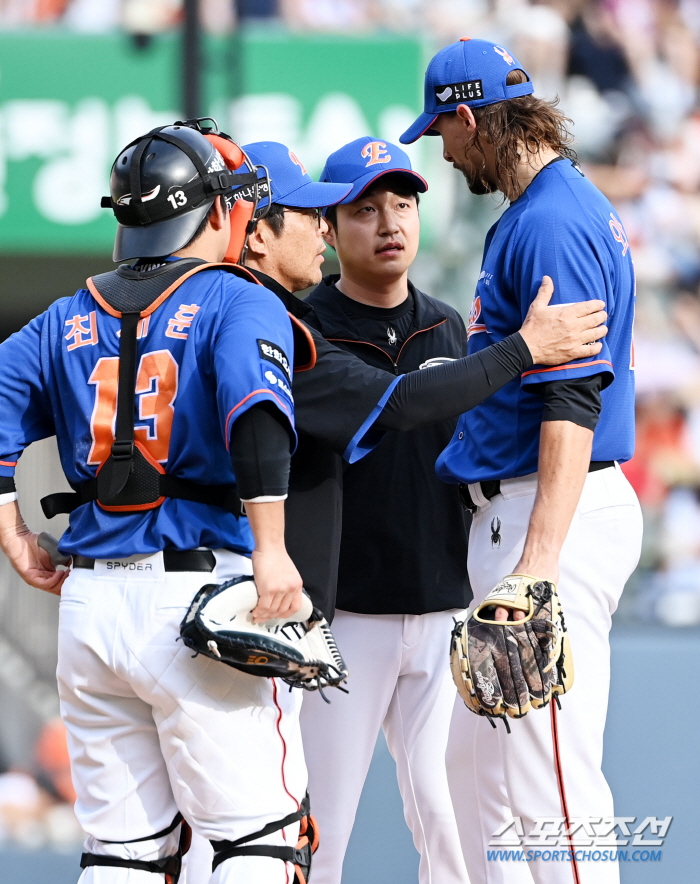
475 181
477 185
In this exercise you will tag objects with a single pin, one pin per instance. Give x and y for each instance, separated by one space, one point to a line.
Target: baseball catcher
507 667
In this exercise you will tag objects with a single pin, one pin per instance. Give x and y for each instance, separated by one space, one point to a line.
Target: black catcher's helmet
162 186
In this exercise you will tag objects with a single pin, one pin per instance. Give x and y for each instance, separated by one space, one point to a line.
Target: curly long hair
526 122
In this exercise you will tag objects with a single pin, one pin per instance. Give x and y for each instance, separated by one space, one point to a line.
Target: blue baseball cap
366 159
291 183
471 72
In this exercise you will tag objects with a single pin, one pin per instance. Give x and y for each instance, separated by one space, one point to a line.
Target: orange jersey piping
244 400
240 271
309 338
567 366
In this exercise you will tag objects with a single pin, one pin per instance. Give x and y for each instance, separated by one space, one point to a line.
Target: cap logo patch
375 152
504 54
471 90
297 162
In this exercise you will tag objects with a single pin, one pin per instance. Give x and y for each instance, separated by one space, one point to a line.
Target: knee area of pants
258 869
144 850
108 875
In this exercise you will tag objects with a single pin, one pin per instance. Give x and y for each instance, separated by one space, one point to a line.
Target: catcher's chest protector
130 480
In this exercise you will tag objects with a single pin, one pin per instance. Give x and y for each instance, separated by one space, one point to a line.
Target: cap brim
359 186
159 239
314 195
418 128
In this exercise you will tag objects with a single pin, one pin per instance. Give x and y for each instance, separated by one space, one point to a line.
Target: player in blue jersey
538 462
168 386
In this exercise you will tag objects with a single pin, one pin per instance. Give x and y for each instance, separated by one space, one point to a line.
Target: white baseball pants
153 730
495 776
399 680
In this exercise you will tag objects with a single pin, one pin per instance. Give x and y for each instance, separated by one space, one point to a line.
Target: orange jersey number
156 389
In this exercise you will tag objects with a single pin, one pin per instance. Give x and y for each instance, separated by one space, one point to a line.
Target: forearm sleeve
577 401
8 492
260 454
452 388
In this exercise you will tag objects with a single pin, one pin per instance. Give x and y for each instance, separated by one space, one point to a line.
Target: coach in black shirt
404 539
403 556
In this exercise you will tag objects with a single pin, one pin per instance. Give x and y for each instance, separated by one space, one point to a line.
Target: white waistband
522 483
508 486
149 567
515 487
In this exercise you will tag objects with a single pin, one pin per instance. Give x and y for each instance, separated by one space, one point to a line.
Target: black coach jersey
383 327
404 537
336 403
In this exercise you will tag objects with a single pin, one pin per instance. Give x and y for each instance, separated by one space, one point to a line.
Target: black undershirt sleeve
452 388
7 485
260 452
577 401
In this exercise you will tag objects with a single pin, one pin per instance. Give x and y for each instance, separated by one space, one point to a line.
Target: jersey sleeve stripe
567 366
8 463
359 445
245 399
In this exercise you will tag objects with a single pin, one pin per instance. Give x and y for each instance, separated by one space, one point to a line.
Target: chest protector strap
130 480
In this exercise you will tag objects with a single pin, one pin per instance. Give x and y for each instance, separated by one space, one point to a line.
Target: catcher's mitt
300 650
513 666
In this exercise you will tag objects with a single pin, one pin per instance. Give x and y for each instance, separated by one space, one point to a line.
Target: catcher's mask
299 649
164 183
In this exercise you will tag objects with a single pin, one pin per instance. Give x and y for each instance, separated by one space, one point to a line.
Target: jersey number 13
156 389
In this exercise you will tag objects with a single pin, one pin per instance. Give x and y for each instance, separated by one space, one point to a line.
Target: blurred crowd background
628 74
638 37
36 800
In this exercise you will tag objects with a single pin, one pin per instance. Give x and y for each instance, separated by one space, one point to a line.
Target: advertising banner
68 103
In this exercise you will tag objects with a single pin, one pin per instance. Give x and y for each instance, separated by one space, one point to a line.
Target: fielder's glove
300 650
513 666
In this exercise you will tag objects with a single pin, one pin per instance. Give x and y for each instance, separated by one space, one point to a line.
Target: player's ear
259 240
466 115
329 234
219 217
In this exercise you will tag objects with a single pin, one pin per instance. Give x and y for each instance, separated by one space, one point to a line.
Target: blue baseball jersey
563 227
214 348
